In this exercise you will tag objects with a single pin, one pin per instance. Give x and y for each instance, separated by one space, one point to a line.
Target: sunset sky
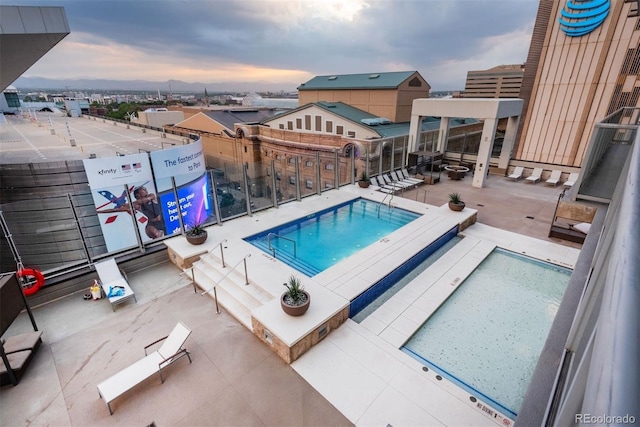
285 42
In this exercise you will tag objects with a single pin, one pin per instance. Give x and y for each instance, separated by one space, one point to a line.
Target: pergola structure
488 110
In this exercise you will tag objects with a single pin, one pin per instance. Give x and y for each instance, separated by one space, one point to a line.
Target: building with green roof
389 95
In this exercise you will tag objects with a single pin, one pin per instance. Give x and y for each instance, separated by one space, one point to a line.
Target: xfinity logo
580 17
107 171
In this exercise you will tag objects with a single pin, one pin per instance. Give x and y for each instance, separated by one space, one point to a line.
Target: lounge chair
398 185
170 351
401 180
404 173
113 283
381 186
554 179
535 176
517 173
573 177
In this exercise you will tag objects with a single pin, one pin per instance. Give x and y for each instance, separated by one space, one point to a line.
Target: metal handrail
382 202
273 250
221 251
246 277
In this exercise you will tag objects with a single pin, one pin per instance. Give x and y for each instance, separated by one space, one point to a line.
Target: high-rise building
583 64
503 81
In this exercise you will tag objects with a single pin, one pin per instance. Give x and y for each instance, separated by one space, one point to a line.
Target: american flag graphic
137 165
126 168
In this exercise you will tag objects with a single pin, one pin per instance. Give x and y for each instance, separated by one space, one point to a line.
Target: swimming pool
318 241
488 335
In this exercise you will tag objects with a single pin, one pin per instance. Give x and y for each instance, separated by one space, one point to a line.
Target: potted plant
196 235
364 182
295 300
455 202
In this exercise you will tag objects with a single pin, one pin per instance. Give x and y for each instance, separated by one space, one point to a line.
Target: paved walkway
234 379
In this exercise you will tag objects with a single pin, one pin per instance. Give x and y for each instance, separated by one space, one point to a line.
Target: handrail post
246 276
222 255
215 297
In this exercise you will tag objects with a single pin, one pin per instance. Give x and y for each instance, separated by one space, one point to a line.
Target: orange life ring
32 272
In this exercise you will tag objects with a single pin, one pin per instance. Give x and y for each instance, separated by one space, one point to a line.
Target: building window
12 100
307 122
328 166
318 123
339 130
277 156
290 125
278 176
298 123
328 126
268 171
292 179
245 148
351 134
308 163
281 125
292 160
308 183
415 82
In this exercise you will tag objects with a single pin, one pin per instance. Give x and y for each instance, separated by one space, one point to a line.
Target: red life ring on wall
31 272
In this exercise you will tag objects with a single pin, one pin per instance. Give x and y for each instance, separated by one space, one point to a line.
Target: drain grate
481 205
529 217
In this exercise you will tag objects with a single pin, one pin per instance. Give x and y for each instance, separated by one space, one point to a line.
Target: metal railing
273 250
246 276
221 251
382 202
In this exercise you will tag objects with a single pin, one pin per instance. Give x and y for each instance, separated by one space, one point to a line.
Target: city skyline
285 42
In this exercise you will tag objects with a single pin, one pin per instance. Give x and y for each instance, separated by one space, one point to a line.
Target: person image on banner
147 204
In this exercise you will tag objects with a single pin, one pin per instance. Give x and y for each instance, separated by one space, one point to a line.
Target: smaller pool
488 335
319 241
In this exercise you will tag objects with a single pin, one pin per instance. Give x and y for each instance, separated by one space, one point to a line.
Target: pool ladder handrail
273 250
382 202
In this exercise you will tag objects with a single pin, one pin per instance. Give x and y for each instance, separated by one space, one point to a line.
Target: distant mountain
175 86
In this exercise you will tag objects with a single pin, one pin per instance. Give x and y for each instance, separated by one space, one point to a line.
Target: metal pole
297 165
75 217
133 218
246 276
175 194
222 255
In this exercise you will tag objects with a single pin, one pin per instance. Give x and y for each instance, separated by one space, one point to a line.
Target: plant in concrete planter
455 202
363 182
196 235
295 300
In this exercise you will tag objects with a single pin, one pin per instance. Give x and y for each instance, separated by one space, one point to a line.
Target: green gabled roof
358 81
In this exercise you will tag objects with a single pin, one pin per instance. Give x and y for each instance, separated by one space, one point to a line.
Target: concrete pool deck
359 368
353 376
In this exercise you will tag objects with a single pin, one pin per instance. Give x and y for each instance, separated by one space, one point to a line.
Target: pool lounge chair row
394 181
536 175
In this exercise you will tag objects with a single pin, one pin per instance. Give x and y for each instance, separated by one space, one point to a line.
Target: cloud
287 41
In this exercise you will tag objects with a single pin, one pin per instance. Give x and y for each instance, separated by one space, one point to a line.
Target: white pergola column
414 132
443 135
509 141
484 152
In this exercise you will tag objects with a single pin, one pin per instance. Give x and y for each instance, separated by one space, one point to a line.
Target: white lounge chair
381 186
113 282
404 173
170 351
535 176
554 179
397 184
573 177
397 178
517 173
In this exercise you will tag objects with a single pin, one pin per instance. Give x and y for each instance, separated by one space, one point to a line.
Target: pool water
489 333
329 236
